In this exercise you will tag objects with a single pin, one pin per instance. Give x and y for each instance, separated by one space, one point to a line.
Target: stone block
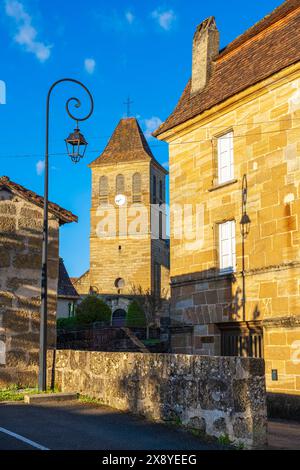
27 261
17 321
4 258
7 224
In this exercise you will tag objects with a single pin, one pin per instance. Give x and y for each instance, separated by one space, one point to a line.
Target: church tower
128 246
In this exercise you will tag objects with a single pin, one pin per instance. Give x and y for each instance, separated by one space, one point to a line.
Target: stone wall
20 281
215 395
282 356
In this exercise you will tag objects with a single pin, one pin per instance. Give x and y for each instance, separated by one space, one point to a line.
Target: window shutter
227 245
225 157
154 190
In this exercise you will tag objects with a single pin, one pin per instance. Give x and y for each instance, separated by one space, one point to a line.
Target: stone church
129 249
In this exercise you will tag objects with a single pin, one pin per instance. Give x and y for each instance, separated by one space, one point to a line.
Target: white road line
23 439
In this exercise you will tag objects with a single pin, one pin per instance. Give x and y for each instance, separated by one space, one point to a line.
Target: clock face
120 199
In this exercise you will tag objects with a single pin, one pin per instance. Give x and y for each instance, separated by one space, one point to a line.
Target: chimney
205 50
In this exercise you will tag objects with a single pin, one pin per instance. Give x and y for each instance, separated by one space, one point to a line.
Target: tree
135 315
92 309
150 303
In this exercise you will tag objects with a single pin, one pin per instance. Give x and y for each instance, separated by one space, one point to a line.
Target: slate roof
126 144
65 286
63 215
266 48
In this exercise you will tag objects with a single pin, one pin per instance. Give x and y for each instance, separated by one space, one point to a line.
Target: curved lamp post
76 146
245 229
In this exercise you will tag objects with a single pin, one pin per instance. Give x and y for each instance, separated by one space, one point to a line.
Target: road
78 426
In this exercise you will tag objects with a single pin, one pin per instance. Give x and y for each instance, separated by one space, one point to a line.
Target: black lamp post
76 146
245 229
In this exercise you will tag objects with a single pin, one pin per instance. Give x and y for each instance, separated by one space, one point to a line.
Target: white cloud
26 34
40 166
129 17
118 21
89 65
165 165
165 18
151 124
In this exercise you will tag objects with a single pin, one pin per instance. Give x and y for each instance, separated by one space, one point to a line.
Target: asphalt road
77 426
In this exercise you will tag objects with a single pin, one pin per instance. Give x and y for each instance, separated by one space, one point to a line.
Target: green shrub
66 322
92 309
135 316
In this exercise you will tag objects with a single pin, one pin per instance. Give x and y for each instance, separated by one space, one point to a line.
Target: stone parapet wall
215 395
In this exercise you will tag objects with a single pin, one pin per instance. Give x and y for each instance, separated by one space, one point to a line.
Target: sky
117 49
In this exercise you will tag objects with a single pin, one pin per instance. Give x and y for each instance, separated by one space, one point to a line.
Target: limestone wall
215 395
20 281
266 128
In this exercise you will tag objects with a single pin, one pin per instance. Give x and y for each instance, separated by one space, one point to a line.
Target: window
120 184
154 189
119 283
241 340
225 158
227 245
160 191
157 279
160 225
103 190
136 188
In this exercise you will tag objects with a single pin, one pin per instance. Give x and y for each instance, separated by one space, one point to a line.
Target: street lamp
245 229
76 145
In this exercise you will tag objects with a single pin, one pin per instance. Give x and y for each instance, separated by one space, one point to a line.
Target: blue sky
117 48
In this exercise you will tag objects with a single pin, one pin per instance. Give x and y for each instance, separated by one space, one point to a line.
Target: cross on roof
128 102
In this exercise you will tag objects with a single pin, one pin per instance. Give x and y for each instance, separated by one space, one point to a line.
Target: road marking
23 439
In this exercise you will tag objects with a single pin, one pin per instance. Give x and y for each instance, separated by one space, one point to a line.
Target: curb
49 397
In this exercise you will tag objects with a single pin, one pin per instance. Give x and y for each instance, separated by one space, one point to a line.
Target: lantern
76 145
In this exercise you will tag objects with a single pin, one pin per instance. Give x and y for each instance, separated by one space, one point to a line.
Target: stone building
67 296
129 250
236 129
21 229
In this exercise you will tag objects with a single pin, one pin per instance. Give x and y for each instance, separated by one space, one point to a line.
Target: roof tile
126 144
263 50
63 215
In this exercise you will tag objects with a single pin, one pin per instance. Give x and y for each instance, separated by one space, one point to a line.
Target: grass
224 440
89 400
16 393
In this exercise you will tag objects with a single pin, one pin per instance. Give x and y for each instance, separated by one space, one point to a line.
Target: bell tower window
136 188
120 184
103 190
